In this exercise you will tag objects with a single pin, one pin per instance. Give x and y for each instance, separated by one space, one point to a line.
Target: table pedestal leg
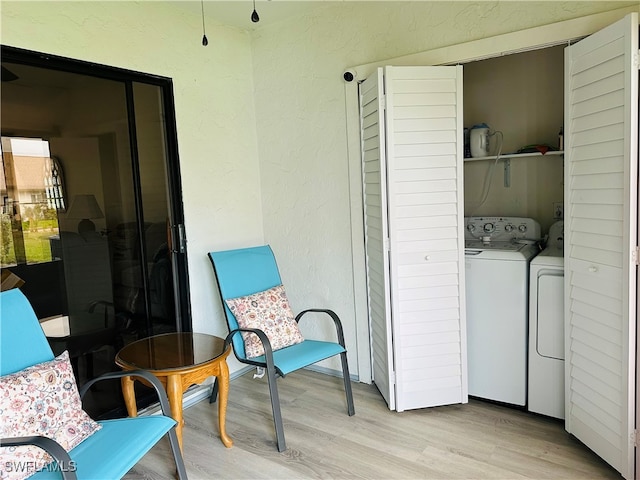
174 393
129 396
223 395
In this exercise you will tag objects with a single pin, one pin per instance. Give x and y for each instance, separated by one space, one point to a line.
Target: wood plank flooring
474 441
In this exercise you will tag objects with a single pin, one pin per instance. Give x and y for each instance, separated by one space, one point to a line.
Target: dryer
546 327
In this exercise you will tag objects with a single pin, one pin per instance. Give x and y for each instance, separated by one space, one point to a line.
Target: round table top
171 351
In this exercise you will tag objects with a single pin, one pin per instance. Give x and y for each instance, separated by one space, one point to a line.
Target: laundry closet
418 188
519 95
512 186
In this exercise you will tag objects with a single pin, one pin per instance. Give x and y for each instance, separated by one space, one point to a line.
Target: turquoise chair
111 451
251 270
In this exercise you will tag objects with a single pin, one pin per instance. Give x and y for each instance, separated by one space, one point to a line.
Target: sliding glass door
91 207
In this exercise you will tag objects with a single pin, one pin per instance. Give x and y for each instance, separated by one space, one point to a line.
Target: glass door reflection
87 213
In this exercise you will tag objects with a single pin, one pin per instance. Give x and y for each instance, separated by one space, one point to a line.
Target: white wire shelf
506 156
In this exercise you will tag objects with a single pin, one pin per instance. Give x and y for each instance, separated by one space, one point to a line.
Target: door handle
180 239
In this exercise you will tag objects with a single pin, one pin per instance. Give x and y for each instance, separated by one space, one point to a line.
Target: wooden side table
179 360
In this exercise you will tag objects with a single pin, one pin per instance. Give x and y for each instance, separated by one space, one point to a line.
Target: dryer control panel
501 229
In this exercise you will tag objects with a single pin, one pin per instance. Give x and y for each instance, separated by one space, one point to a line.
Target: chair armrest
65 465
266 344
92 306
333 315
152 379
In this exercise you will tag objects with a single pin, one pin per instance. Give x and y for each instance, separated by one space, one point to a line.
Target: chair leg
177 454
347 384
275 407
214 391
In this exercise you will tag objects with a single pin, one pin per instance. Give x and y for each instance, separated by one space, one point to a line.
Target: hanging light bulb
255 18
205 42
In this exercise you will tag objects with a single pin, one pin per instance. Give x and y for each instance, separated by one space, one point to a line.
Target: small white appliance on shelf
479 140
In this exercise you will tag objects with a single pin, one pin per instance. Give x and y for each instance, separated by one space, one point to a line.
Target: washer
497 255
546 327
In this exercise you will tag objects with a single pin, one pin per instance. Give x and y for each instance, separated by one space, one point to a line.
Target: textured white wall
296 196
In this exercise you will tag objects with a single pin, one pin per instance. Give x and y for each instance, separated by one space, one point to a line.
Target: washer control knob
508 227
522 227
489 227
471 227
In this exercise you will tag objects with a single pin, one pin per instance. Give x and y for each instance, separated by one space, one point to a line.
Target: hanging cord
486 186
205 42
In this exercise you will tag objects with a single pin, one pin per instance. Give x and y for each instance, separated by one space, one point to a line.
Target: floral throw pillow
269 311
40 400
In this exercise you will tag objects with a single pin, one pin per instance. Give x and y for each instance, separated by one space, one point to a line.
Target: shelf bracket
507 173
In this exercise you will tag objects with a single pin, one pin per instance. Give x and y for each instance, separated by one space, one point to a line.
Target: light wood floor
474 441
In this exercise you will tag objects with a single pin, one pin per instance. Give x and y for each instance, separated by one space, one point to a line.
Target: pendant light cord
205 42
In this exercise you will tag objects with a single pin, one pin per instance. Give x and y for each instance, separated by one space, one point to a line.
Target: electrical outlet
558 210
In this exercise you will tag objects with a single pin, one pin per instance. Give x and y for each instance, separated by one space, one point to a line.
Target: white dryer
546 327
497 255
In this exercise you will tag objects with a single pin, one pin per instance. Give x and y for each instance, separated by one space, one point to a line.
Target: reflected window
31 188
54 185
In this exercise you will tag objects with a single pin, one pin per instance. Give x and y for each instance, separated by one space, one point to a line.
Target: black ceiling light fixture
205 42
255 18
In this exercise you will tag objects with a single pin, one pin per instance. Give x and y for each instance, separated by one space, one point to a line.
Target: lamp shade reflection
85 207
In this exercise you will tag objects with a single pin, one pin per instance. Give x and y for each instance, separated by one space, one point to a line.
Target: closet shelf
506 156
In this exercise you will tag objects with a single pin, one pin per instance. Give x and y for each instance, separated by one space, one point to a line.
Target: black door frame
174 180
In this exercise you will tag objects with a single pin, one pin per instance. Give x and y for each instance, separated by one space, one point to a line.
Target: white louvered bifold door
601 128
425 201
376 233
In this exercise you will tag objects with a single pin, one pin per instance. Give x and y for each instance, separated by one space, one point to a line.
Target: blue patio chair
250 270
111 451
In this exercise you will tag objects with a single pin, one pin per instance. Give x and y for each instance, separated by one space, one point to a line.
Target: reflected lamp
85 207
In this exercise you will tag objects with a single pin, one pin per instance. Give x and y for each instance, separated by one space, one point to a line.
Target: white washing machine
497 255
546 327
